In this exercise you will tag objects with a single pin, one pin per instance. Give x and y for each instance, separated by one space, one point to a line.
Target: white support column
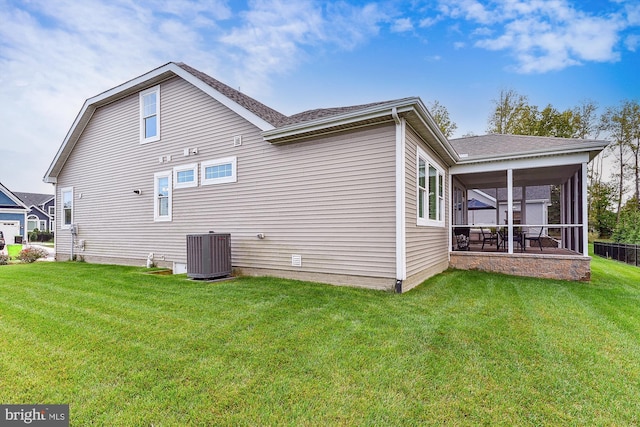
585 212
510 208
497 209
563 213
523 206
452 210
576 212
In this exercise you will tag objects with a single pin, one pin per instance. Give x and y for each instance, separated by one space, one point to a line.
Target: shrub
40 236
4 259
628 228
29 255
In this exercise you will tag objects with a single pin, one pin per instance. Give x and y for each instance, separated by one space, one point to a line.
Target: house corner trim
401 247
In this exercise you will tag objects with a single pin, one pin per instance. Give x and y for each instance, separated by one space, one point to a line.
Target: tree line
609 214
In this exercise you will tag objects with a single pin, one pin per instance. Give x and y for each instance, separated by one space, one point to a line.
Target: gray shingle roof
536 192
33 199
269 114
469 147
493 144
320 113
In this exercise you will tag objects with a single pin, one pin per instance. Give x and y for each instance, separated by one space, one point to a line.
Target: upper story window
150 115
430 191
185 176
218 171
162 196
66 195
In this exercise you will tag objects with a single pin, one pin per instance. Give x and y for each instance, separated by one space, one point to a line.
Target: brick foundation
563 267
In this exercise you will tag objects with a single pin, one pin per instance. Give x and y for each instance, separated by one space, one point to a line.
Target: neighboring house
41 213
536 205
13 215
356 195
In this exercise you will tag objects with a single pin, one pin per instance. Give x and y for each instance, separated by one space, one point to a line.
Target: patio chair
462 238
490 236
537 238
504 238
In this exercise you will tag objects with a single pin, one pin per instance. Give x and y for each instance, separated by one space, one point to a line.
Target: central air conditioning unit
208 255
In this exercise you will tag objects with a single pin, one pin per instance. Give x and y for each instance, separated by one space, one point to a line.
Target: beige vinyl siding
427 246
330 200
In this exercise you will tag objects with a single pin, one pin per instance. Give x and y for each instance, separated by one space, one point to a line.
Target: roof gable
258 114
10 200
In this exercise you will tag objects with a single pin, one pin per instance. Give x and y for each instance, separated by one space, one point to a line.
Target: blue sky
298 55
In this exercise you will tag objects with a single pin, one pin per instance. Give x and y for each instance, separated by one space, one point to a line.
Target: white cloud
402 25
270 37
54 54
543 35
276 35
467 9
632 42
429 21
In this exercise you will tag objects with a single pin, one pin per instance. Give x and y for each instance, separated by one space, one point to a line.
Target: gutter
542 152
394 109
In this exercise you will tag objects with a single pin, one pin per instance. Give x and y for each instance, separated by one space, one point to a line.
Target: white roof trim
289 132
12 196
587 146
515 162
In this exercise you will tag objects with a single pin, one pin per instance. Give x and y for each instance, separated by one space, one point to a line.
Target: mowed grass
126 348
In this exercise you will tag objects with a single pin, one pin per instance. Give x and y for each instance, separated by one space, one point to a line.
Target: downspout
401 250
585 211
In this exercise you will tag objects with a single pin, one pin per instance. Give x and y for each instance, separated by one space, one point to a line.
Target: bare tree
618 123
587 126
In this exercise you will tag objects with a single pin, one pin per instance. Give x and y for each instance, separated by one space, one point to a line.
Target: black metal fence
618 251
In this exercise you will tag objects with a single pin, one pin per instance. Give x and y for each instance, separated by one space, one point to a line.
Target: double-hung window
66 195
218 171
162 196
430 191
150 115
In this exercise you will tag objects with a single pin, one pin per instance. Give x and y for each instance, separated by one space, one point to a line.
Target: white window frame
63 225
32 218
143 139
218 162
439 192
185 168
51 210
156 190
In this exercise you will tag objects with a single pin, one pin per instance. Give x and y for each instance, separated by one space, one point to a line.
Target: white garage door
10 229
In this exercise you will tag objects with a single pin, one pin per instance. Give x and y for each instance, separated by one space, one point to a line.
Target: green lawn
465 348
